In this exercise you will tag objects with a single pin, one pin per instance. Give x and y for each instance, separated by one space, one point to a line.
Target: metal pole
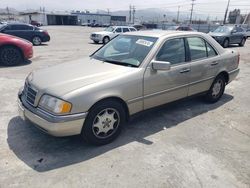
177 19
191 14
225 17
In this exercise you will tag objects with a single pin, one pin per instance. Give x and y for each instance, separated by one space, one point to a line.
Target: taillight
238 59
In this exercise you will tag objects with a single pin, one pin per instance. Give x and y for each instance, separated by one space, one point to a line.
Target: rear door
161 87
204 62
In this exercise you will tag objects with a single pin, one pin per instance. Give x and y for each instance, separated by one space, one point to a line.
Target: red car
14 50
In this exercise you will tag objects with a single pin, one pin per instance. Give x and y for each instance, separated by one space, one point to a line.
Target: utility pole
225 17
192 9
130 13
133 9
178 13
108 11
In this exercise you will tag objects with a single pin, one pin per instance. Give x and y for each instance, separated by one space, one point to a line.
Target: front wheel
216 90
226 43
106 40
10 56
36 41
103 123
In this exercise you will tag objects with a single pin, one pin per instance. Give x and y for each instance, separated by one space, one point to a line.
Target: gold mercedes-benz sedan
95 96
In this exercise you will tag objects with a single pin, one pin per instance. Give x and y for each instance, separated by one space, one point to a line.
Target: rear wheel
10 56
104 122
216 90
242 43
226 43
36 41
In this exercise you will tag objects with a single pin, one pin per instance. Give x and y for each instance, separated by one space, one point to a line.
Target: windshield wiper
119 63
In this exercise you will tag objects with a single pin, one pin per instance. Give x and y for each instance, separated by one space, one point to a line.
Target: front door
161 87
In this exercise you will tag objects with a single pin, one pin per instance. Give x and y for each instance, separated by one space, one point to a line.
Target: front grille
29 94
93 35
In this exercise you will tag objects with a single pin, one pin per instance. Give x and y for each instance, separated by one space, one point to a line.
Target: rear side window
210 51
172 51
125 29
197 48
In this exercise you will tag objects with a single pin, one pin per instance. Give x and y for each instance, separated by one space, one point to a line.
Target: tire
11 56
225 43
105 40
242 43
36 41
97 128
216 90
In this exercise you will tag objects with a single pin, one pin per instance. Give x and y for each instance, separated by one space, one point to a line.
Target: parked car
226 35
13 50
181 28
109 33
31 33
247 32
133 72
36 23
139 27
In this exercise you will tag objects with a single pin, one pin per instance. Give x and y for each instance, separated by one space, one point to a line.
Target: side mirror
161 65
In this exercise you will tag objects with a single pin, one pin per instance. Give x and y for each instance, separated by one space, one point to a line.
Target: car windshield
126 50
223 29
110 29
2 26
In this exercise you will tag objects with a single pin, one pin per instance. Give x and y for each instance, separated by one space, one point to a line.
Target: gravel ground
183 144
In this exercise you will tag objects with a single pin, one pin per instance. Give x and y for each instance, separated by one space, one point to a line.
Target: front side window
118 30
238 29
126 50
125 29
197 48
173 51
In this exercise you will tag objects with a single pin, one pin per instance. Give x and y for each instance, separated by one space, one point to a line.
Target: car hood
214 34
102 33
62 79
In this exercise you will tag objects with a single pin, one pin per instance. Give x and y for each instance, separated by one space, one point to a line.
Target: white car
109 33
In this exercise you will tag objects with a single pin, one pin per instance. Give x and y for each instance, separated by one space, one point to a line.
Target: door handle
214 63
185 70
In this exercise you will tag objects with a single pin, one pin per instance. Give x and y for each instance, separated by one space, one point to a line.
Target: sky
209 7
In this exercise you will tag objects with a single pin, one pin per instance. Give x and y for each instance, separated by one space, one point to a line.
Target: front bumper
46 38
96 38
55 125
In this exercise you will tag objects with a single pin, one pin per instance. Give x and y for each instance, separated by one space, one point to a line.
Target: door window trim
205 41
168 39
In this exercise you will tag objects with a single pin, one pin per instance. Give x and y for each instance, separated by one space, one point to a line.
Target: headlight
54 105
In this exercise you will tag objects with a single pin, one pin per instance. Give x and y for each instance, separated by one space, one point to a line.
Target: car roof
17 23
161 33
